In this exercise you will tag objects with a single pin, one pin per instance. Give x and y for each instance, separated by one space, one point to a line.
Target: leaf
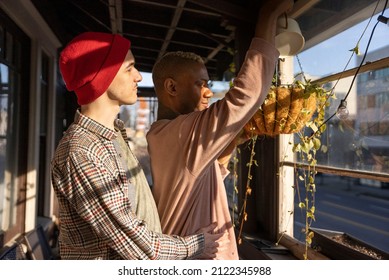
305 111
323 127
313 126
296 148
356 50
316 143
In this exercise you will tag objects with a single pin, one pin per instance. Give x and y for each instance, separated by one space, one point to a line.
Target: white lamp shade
289 40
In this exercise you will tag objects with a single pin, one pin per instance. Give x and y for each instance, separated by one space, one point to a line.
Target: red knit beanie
89 63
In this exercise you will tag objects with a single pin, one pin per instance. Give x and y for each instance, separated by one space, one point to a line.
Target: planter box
341 246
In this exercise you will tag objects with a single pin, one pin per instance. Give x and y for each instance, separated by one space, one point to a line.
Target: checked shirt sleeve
98 198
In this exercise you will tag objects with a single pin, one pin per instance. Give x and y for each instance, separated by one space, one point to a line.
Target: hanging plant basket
286 110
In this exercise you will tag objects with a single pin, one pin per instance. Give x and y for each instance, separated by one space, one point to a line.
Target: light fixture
289 40
383 19
342 112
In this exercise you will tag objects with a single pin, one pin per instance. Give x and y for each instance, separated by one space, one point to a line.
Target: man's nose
139 78
208 93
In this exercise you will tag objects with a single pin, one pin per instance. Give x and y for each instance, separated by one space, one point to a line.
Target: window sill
254 248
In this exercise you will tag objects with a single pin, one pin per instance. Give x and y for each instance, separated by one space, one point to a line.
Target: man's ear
170 86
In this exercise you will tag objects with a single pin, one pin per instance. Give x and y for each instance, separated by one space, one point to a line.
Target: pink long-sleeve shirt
188 181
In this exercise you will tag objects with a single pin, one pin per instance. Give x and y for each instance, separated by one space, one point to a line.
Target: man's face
124 86
193 91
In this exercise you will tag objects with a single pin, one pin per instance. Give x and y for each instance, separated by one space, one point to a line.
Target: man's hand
214 242
267 18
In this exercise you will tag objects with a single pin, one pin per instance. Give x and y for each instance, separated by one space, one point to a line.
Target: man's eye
209 84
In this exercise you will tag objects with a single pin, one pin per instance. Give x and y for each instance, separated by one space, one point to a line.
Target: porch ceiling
202 26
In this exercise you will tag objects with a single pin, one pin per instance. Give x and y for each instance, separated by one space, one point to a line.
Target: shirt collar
96 127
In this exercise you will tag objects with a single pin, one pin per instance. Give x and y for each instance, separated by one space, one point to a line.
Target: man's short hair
172 64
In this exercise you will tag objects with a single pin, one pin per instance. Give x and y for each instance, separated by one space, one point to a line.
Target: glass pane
5 174
17 54
351 206
360 142
44 94
1 42
9 47
333 55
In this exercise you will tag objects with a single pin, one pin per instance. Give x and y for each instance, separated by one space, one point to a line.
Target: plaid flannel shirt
95 217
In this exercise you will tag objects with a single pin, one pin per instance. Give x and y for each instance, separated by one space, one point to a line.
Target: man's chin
130 101
201 108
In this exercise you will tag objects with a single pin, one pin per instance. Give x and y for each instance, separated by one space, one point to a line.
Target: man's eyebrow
131 63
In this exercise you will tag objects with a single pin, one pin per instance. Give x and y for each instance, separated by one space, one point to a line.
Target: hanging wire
357 45
301 68
362 61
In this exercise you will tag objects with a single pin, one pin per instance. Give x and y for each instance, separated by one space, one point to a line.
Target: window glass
361 142
3 133
355 205
8 194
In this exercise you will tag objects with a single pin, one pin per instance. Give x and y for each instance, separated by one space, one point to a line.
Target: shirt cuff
195 245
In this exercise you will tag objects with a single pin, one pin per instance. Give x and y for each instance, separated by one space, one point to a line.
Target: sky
330 56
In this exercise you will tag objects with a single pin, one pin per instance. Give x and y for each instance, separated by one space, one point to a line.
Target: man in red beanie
106 207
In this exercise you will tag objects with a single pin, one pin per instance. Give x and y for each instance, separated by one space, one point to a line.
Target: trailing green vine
307 147
243 214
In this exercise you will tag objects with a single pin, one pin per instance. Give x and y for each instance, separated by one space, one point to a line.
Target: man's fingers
214 242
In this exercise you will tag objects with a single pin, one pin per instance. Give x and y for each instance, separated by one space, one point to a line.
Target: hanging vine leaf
356 50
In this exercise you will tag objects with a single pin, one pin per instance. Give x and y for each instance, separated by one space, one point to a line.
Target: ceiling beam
116 15
221 46
301 6
152 3
215 37
89 14
173 26
237 12
226 9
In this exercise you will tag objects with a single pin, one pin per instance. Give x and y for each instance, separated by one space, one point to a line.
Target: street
347 206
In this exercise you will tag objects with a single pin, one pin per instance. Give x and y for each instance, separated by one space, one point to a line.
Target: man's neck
166 113
102 113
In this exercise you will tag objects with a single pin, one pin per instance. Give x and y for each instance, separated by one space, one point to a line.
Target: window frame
272 219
